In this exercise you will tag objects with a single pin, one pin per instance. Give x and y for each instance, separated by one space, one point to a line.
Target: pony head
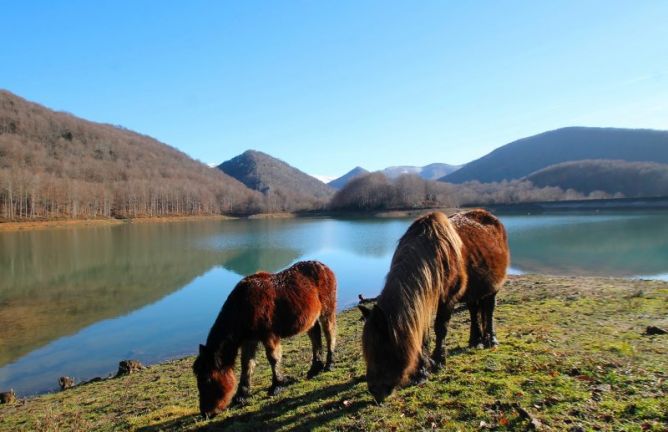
215 383
387 366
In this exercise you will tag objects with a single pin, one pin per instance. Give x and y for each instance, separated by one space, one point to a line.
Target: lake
75 301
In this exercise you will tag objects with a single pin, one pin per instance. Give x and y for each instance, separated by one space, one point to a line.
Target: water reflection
615 245
75 301
57 282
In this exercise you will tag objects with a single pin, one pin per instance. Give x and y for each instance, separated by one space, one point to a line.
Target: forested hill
525 156
55 165
632 179
285 187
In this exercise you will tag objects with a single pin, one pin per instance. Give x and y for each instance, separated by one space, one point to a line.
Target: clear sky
328 85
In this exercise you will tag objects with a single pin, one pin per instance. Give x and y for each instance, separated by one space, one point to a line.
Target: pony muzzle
380 393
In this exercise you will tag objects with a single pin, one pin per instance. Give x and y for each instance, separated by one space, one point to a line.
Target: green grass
572 354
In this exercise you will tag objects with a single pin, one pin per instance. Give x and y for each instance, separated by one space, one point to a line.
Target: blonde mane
427 267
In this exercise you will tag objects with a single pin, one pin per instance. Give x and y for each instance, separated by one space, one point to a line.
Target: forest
376 192
54 165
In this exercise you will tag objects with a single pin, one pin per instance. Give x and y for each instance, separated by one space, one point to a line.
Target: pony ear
380 315
365 312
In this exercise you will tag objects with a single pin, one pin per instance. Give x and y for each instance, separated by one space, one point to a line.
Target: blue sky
328 85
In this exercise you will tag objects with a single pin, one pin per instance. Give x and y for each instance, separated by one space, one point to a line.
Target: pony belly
296 320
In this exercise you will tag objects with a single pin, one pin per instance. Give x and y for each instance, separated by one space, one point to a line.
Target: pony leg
443 315
488 305
476 335
329 326
425 363
248 351
274 355
316 343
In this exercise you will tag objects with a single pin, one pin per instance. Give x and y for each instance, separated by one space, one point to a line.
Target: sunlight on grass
572 354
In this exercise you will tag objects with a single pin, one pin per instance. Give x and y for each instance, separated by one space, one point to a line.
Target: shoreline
72 223
556 207
573 352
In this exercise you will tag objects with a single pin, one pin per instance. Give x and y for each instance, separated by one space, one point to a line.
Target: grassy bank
573 355
69 223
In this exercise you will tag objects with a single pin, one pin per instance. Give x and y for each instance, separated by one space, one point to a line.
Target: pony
438 262
266 307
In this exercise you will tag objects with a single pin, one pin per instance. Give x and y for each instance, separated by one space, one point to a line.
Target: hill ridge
521 157
285 187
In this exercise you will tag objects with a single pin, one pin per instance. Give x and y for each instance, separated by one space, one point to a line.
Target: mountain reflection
57 282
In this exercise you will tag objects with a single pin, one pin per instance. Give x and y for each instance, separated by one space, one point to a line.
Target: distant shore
70 223
621 204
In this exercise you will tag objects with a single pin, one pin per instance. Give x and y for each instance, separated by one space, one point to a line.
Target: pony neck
223 343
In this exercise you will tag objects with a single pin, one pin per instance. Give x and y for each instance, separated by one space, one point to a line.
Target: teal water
76 301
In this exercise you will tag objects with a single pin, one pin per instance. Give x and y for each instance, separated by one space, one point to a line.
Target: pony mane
427 266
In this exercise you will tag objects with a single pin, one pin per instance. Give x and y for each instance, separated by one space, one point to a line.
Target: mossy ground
572 357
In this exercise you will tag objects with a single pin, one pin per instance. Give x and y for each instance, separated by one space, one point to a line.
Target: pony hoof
437 365
316 368
287 381
277 387
329 367
477 344
275 390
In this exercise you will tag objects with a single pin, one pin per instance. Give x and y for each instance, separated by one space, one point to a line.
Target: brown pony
266 307
438 262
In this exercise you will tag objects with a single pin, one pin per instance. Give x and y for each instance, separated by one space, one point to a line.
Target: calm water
76 301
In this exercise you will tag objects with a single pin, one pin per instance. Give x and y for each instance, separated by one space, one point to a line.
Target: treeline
54 165
632 179
376 192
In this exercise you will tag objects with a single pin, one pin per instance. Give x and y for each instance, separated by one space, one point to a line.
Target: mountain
285 187
344 179
525 156
633 179
428 172
55 165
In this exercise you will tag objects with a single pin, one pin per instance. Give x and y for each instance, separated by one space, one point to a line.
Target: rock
534 422
92 380
601 388
7 397
654 330
126 367
65 382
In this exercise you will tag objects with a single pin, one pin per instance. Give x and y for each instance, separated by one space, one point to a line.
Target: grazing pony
438 262
266 307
